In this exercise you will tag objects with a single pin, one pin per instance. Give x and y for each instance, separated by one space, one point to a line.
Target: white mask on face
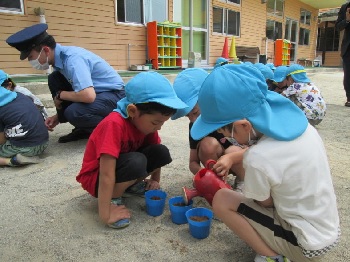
36 64
252 141
234 141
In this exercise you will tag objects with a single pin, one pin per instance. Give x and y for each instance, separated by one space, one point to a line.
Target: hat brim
277 117
174 103
185 111
24 54
300 78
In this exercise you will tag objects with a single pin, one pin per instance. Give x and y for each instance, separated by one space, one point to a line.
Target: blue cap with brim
6 96
236 92
3 77
280 74
265 70
186 86
28 38
148 87
271 66
298 73
221 61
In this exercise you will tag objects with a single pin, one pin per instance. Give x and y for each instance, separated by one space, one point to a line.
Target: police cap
28 38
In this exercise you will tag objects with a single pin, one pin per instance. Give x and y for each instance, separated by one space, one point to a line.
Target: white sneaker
20 160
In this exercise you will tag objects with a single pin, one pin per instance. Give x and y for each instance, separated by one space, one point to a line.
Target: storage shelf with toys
164 45
282 52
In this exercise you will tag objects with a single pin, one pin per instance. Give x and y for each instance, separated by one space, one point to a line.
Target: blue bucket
199 229
178 212
155 207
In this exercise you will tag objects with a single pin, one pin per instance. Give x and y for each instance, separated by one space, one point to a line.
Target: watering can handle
210 163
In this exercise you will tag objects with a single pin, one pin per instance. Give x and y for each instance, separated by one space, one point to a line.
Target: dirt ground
46 215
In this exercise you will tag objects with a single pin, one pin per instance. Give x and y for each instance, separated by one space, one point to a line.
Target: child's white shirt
297 176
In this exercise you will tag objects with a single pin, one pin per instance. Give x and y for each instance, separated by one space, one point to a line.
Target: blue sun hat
236 92
280 74
298 73
220 62
265 70
148 87
271 66
6 96
186 86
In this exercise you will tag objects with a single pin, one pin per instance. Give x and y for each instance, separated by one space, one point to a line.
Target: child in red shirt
124 149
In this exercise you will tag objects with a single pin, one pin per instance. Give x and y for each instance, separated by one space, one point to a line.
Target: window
273 30
328 39
305 17
226 21
141 11
304 35
232 1
275 7
11 6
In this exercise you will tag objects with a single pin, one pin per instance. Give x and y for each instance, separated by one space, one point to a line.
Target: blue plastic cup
155 202
199 227
178 209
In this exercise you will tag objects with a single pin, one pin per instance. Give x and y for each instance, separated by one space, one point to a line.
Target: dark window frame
130 16
277 30
226 28
275 11
328 39
305 17
12 6
304 36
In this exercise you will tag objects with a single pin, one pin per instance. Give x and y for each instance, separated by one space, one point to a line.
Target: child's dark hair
7 81
153 107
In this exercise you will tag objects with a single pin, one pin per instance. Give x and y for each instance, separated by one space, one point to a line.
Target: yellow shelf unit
282 52
164 45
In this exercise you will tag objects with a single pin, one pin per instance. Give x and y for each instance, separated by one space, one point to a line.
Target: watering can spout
188 194
206 183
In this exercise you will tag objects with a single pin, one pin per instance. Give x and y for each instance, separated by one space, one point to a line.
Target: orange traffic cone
225 50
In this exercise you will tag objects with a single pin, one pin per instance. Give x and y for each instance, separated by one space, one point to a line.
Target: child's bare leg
120 188
4 161
209 148
225 205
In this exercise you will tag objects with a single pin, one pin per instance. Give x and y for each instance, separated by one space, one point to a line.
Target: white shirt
297 176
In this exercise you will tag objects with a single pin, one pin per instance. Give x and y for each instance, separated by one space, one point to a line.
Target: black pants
346 68
83 115
135 165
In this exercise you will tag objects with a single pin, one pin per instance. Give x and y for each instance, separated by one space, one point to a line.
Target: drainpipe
39 11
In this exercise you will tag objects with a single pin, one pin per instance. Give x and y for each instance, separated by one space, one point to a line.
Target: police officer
84 87
343 23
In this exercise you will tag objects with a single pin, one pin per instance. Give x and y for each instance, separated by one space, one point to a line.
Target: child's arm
194 162
106 186
153 182
224 163
2 138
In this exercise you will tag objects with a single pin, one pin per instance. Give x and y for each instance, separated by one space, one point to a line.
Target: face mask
232 140
36 64
250 141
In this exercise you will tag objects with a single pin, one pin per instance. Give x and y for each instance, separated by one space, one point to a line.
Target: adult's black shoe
76 134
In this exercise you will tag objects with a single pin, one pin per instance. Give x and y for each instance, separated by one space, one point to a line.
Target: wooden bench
248 53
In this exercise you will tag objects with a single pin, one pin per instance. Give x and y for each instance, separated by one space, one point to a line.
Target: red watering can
206 183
